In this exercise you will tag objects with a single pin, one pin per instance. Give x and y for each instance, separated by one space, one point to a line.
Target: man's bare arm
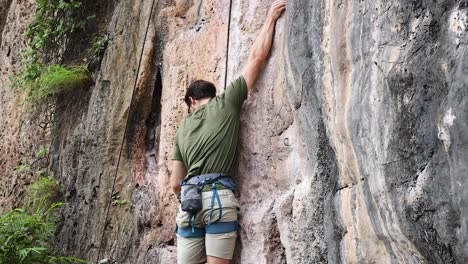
262 45
178 173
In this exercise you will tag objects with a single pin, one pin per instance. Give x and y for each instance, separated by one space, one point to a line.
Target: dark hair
200 89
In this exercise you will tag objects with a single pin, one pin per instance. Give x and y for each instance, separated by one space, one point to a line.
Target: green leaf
23 253
43 151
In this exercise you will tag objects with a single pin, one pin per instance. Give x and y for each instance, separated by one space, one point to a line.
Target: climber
205 155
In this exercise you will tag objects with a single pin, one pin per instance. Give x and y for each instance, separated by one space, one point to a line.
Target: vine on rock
42 75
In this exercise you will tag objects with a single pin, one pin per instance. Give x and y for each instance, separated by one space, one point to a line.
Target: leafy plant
43 151
116 199
96 51
42 193
55 79
26 235
98 47
45 189
27 165
24 166
46 34
26 238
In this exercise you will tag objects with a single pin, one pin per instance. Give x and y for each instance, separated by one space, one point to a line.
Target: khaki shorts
195 250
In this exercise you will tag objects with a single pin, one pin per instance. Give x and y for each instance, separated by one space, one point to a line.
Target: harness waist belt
220 178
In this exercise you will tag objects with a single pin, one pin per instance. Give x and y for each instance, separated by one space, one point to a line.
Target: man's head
197 92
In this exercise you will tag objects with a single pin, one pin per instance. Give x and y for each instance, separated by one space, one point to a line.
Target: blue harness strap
192 222
190 232
213 196
222 227
216 228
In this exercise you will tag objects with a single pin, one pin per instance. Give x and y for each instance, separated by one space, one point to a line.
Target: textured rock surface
354 144
22 131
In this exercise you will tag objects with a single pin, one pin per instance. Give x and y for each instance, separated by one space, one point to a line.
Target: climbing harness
191 190
126 129
198 183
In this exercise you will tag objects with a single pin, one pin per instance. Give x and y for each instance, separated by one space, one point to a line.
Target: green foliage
98 47
26 234
116 199
24 166
47 32
53 22
43 151
27 165
26 238
55 79
45 190
41 194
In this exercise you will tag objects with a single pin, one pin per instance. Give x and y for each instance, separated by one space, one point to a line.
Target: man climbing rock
205 155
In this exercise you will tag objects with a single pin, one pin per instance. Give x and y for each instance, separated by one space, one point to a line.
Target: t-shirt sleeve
236 92
176 155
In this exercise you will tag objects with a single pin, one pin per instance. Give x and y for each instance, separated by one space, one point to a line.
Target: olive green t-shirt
208 139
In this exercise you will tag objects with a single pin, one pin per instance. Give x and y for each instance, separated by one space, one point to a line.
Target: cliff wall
354 144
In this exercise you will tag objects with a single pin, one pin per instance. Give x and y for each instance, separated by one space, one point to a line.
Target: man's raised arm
262 45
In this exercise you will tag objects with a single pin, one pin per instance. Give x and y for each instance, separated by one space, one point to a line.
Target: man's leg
220 247
190 242
190 250
221 234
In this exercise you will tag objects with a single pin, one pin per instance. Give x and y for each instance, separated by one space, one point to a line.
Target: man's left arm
178 174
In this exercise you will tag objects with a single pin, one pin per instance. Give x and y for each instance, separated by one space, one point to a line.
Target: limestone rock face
354 143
